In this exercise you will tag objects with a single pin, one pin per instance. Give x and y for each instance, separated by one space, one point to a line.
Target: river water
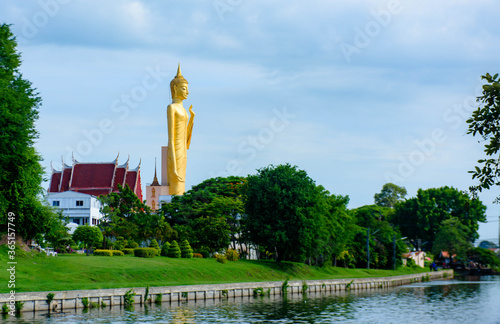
465 300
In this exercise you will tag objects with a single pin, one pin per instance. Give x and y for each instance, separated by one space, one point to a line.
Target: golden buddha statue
179 134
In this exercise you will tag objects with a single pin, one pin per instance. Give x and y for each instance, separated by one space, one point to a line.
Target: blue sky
356 93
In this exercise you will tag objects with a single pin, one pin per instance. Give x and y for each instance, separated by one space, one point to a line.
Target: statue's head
178 86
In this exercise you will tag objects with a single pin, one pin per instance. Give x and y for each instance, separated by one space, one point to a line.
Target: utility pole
368 248
394 247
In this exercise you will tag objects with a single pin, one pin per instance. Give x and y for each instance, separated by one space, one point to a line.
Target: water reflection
474 300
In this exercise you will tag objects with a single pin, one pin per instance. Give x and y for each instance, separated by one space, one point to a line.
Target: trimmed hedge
164 249
145 252
117 253
186 250
128 251
103 252
174 251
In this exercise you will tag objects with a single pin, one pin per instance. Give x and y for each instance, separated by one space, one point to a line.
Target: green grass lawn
76 271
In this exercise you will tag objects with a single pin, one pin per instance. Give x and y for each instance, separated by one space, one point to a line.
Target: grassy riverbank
70 272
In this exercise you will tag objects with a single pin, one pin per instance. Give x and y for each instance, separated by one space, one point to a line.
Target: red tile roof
66 177
96 178
92 175
55 180
119 177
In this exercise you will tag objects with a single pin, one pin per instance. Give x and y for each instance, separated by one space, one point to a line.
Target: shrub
128 251
158 299
232 255
132 244
128 298
221 258
62 250
103 252
120 243
85 302
154 244
186 250
5 309
197 255
18 305
117 253
145 252
50 298
174 251
205 253
164 249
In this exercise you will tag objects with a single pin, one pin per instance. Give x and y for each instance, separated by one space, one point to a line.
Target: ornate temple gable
95 178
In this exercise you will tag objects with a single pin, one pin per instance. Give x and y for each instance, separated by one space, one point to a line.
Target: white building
81 208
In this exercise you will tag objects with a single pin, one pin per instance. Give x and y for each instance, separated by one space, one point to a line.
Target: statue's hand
177 176
191 110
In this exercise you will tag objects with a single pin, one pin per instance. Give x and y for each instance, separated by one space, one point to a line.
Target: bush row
108 253
172 250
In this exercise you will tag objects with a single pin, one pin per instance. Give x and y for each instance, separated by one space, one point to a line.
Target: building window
153 192
79 202
76 221
55 203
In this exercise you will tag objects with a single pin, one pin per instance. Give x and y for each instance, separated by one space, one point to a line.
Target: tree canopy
390 195
373 220
421 217
126 216
453 237
20 169
485 122
91 236
288 215
208 215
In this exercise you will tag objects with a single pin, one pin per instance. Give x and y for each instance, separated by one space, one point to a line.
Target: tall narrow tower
156 192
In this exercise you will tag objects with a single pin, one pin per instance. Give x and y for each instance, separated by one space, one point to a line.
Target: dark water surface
466 300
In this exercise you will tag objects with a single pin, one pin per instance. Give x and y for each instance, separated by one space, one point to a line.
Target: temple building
75 188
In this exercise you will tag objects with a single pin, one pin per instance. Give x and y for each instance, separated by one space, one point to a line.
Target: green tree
211 233
483 256
287 214
453 237
57 233
339 227
20 169
126 216
91 236
420 217
210 209
381 239
390 195
485 122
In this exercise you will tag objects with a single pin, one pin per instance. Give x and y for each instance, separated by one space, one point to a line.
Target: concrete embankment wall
72 299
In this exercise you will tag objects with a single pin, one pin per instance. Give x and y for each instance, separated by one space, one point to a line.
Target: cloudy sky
357 93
